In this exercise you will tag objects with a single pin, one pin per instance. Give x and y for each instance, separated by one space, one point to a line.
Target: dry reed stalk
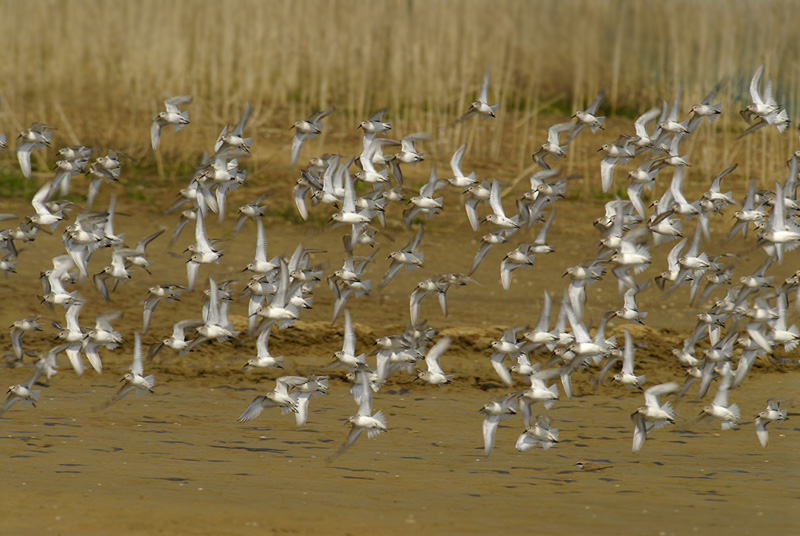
111 66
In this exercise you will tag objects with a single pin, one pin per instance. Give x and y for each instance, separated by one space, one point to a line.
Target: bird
28 324
766 109
264 359
435 375
588 118
133 380
104 335
591 467
278 397
177 341
373 126
21 393
407 256
481 106
719 408
172 116
652 415
553 145
236 137
307 129
538 392
540 433
347 355
34 137
408 154
459 180
496 411
627 376
305 387
202 251
498 216
364 419
167 292
773 413
705 109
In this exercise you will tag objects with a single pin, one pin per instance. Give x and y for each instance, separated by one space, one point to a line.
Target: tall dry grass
99 70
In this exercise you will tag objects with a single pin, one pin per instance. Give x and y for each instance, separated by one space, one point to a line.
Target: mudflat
178 462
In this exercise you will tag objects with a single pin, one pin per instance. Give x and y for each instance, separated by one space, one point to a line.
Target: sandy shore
178 462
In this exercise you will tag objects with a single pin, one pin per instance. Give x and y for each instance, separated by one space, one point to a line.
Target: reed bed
100 70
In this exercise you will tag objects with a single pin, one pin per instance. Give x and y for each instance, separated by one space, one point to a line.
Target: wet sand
177 462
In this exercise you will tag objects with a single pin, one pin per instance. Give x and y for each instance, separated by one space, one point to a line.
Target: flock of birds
749 322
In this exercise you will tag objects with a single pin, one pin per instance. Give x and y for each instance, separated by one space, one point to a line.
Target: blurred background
100 71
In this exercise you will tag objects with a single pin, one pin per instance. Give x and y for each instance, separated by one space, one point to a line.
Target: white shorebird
425 203
104 335
643 139
553 145
373 126
282 306
671 124
172 116
202 252
309 128
478 193
304 388
407 256
135 379
21 393
540 433
480 106
117 271
652 415
348 213
719 408
588 117
459 180
35 137
435 375
766 109
541 334
773 413
498 216
347 355
627 376
263 358
155 294
780 334
496 411
177 341
236 137
216 324
538 392
260 265
19 328
619 152
278 397
781 233
363 419
44 217
408 154
705 109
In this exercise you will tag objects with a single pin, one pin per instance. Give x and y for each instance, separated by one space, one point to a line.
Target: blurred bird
172 116
309 128
480 106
